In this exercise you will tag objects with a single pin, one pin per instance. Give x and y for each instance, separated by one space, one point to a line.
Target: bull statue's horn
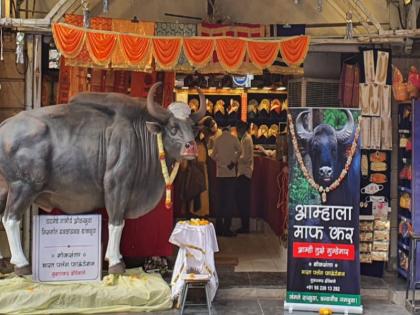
300 129
346 132
156 111
202 110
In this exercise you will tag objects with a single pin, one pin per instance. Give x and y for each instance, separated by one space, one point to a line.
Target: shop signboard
66 248
324 192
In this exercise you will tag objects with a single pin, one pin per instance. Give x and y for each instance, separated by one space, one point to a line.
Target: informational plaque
66 248
323 267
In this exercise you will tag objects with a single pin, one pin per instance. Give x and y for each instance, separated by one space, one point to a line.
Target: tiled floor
257 252
272 307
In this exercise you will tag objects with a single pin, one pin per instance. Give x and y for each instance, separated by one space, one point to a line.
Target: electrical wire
1 44
399 14
33 7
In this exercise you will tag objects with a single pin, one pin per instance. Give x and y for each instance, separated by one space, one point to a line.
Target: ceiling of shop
245 11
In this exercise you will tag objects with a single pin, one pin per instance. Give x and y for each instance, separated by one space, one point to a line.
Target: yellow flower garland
169 179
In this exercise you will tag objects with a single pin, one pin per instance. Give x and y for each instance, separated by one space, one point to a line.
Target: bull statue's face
177 125
323 144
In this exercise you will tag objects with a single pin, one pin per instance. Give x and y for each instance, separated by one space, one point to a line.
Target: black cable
399 15
25 63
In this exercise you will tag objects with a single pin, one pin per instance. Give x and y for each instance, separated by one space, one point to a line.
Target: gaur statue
98 151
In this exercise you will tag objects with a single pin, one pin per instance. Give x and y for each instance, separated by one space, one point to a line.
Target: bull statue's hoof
117 269
5 266
23 271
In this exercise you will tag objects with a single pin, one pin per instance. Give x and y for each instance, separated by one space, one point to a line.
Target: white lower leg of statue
1 256
113 254
12 228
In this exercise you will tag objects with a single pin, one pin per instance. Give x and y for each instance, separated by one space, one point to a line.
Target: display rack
406 133
266 108
374 216
270 118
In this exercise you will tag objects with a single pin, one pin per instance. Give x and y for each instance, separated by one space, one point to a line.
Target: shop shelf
408 102
401 216
405 131
404 189
402 272
404 212
403 246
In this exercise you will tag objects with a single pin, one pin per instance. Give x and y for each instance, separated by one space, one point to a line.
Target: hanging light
349 25
105 6
86 13
20 43
319 5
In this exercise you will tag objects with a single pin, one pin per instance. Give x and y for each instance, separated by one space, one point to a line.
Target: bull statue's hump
111 103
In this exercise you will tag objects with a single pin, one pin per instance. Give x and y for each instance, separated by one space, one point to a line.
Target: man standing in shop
243 181
225 153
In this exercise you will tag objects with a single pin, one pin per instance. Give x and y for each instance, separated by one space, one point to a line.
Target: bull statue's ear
153 127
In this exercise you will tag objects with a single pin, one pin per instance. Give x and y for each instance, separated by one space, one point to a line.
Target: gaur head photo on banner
327 161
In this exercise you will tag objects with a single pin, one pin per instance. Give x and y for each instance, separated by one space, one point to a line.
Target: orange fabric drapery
69 41
198 51
294 50
84 59
129 49
101 46
135 48
166 51
135 51
230 52
263 53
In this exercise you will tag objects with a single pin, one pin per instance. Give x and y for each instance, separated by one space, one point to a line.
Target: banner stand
323 269
290 307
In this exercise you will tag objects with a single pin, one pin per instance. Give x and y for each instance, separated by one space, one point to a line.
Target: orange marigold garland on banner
321 189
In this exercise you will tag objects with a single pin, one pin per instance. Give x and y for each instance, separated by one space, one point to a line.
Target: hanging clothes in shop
349 85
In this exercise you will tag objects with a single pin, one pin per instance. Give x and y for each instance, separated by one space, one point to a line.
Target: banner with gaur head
324 193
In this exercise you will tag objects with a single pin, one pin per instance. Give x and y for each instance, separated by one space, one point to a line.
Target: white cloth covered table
197 245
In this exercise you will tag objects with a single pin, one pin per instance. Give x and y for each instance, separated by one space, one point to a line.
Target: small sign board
66 248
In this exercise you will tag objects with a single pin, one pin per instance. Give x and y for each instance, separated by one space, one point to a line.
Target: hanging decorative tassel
319 6
105 7
349 27
86 14
20 43
1 45
86 18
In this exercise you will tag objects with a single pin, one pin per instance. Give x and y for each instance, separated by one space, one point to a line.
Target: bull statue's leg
113 254
3 199
118 183
18 200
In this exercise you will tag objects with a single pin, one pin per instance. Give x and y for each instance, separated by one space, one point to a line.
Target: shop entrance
264 248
